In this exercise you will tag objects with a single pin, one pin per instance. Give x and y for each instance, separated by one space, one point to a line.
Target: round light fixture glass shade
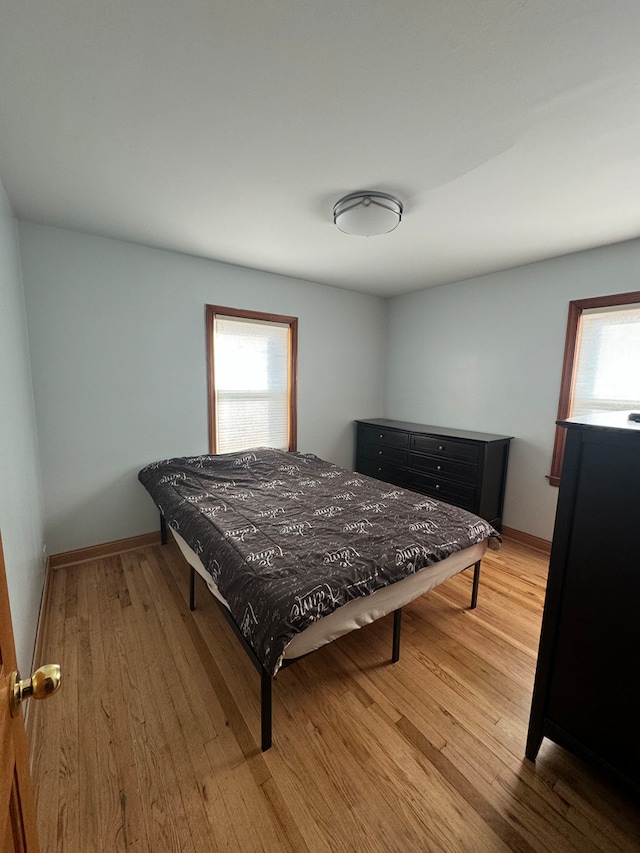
367 213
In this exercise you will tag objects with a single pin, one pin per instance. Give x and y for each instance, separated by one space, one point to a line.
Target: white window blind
607 375
251 366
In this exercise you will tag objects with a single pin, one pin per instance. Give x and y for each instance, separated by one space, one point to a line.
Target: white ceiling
510 129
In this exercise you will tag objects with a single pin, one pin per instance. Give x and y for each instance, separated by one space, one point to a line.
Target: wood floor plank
153 743
165 824
95 733
123 685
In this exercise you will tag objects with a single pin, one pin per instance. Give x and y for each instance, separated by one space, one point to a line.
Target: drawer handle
379 453
438 467
379 469
381 435
437 485
441 447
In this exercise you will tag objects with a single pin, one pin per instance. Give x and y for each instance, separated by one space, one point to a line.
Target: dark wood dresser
587 686
467 469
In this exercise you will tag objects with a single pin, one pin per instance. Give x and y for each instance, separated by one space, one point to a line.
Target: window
601 369
252 361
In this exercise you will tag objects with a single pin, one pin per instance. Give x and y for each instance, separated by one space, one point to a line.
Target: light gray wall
20 487
486 354
119 370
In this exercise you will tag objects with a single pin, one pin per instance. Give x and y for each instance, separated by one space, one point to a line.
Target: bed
298 551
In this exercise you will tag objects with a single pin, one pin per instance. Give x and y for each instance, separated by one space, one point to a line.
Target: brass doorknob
43 683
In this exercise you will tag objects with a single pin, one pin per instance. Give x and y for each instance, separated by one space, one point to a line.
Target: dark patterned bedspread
288 537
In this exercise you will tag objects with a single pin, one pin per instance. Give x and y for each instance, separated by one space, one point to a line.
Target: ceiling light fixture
367 213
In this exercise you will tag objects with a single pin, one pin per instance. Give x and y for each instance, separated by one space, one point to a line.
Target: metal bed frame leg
265 708
397 624
476 581
192 589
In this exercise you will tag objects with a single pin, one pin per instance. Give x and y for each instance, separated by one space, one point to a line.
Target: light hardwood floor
152 744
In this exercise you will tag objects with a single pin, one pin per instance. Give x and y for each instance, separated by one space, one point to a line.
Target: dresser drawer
444 490
382 453
436 446
378 435
382 471
442 466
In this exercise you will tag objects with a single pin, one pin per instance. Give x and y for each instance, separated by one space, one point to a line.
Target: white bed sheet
359 611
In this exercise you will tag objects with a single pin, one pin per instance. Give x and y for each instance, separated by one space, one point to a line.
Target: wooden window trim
576 308
210 315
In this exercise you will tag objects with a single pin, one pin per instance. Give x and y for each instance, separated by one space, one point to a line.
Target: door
18 832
